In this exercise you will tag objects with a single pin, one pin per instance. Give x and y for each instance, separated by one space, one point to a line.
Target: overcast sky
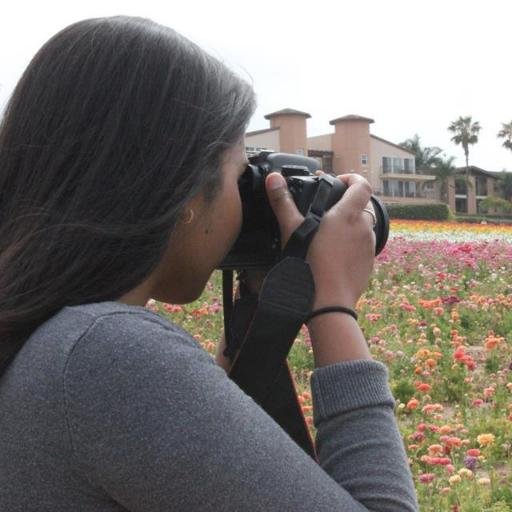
413 66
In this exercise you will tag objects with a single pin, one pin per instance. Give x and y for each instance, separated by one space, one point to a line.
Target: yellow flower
483 481
454 479
465 473
485 439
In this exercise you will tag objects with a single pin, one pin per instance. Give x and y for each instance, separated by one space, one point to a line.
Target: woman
120 153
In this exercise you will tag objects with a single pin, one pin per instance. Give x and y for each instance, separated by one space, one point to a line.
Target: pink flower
426 478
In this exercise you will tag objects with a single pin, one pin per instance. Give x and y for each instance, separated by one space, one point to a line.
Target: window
410 189
399 188
461 205
398 165
461 187
429 185
481 186
364 159
409 165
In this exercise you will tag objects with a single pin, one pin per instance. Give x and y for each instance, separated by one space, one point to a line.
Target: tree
443 171
506 133
497 203
505 184
425 157
465 133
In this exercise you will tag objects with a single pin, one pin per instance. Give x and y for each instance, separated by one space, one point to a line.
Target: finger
358 192
369 211
283 205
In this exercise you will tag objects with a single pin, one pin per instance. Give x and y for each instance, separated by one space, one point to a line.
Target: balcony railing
386 170
429 194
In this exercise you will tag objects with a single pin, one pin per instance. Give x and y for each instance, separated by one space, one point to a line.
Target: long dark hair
115 124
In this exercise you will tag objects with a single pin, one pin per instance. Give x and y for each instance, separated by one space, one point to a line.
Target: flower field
438 313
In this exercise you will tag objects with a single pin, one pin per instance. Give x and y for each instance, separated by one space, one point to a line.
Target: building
466 199
349 148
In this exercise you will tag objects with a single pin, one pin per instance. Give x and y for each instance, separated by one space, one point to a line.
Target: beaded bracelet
332 309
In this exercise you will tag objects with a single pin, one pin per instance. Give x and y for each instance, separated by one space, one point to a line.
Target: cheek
236 211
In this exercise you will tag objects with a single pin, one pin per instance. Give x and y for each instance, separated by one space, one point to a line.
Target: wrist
331 309
324 301
336 337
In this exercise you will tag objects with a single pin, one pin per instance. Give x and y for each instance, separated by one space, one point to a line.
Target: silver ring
371 212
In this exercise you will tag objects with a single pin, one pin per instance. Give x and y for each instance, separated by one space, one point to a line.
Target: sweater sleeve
159 426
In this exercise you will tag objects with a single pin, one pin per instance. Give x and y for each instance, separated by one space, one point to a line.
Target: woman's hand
342 252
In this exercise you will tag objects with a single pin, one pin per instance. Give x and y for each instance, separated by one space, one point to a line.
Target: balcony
386 174
428 196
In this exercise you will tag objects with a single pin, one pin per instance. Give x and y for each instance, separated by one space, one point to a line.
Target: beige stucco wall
321 142
471 193
351 139
292 129
268 140
379 149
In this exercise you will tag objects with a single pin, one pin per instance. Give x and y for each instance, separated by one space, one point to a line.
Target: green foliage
505 184
300 356
403 390
502 497
426 157
492 364
465 133
497 203
506 134
500 506
418 211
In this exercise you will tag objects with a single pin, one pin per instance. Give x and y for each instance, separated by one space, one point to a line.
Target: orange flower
485 439
489 392
445 429
423 387
432 408
412 404
435 449
454 442
492 341
430 304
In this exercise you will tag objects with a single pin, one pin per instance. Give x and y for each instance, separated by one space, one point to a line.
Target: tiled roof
391 144
257 132
477 170
287 112
351 117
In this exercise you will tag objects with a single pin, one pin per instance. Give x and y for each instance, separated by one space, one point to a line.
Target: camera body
258 246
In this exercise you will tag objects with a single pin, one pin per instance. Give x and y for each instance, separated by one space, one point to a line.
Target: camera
258 246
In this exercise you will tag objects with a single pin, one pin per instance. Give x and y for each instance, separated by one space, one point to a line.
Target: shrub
419 211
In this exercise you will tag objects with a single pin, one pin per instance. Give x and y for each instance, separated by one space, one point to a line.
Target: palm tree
506 133
425 157
465 133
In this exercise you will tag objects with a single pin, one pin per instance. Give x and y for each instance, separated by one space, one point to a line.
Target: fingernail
275 181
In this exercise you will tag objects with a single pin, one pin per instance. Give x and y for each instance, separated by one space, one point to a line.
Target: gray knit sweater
110 407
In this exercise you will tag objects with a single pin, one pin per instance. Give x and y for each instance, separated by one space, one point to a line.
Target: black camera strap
260 330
